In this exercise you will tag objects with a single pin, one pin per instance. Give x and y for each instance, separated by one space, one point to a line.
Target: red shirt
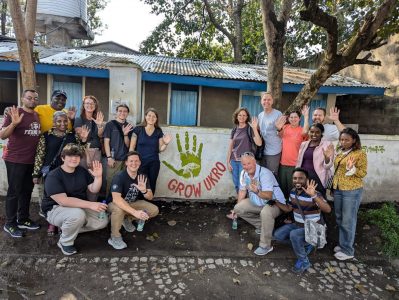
292 139
22 143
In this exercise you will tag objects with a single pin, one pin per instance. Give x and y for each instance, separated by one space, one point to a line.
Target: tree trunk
3 16
25 55
237 45
30 22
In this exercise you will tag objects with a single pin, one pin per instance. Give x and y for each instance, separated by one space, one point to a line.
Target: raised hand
254 186
350 162
254 123
71 112
141 183
305 111
310 188
97 169
16 118
99 118
127 128
281 122
329 151
334 114
190 161
167 138
84 133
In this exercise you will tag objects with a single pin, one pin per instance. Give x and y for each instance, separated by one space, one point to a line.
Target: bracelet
109 156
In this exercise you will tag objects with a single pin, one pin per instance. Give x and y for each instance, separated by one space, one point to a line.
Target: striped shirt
310 209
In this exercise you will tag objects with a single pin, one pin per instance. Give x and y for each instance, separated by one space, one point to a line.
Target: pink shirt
292 139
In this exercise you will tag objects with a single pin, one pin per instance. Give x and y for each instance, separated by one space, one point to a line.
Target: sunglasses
247 154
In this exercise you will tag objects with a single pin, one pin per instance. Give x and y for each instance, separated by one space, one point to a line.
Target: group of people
296 168
51 146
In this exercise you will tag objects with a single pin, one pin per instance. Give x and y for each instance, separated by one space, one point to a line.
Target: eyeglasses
247 154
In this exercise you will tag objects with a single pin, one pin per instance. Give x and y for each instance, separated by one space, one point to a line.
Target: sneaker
258 231
67 250
342 256
337 249
301 266
128 225
263 250
28 224
309 248
13 230
117 242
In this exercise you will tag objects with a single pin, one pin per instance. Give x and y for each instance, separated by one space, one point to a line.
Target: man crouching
65 191
127 187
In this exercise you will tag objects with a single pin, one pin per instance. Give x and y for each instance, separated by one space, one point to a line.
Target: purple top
241 143
307 162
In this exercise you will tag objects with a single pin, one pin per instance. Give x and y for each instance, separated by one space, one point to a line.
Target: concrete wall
188 175
156 96
99 87
217 106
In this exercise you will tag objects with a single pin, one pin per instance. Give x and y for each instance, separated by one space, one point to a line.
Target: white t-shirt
268 131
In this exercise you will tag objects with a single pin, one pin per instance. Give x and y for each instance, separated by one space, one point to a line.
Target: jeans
237 168
346 206
20 187
296 234
151 169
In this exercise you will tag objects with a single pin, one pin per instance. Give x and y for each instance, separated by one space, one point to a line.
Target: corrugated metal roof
171 65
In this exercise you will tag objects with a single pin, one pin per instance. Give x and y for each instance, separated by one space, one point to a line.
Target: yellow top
352 182
45 113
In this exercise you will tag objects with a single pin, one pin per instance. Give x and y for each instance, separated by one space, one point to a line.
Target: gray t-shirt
93 137
268 131
331 132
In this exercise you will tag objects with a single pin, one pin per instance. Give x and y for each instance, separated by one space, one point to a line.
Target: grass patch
387 220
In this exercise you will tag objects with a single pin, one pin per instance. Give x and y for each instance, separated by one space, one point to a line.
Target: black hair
301 170
349 131
123 105
319 126
130 153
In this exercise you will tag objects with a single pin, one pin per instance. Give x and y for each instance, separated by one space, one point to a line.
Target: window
183 105
252 103
8 90
73 88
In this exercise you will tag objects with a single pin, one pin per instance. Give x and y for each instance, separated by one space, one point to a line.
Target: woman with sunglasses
242 139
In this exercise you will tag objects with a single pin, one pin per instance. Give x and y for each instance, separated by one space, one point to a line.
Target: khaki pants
110 173
73 220
260 217
118 214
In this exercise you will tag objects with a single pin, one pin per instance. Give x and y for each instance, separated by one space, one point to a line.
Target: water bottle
140 223
234 224
102 214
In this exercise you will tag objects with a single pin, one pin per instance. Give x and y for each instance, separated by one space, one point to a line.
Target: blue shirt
147 145
266 181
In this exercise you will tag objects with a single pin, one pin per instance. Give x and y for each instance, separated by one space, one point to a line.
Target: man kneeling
127 187
65 191
258 209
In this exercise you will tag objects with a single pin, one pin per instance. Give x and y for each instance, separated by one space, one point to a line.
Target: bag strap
119 127
59 150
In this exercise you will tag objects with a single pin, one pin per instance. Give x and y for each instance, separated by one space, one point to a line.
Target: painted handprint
190 160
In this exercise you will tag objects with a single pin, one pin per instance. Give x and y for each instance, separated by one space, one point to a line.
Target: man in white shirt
331 131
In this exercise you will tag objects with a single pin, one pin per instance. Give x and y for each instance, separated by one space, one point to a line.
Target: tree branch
366 62
216 23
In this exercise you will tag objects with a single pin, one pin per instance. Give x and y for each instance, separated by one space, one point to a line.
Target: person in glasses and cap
46 111
258 207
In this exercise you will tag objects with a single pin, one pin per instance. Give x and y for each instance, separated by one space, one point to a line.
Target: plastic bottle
234 224
102 214
140 223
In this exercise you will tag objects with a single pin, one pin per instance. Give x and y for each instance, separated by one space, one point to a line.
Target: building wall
41 81
217 106
156 96
373 114
99 87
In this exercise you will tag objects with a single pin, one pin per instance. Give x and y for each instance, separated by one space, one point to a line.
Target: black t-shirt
73 184
123 183
148 145
116 139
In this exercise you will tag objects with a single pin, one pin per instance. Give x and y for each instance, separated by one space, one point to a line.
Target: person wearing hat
46 111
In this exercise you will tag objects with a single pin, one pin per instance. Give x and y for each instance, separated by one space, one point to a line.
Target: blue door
252 103
73 91
183 108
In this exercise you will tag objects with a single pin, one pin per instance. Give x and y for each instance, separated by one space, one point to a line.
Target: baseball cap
57 93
